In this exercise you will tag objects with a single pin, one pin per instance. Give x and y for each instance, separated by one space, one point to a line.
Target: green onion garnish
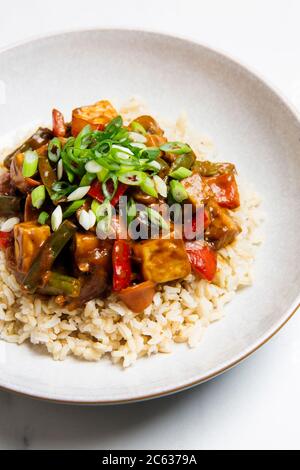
137 127
180 173
156 218
148 187
72 208
131 211
102 174
176 147
133 178
43 217
87 179
178 192
54 150
30 163
38 196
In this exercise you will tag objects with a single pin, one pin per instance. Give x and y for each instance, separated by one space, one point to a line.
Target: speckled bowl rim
276 327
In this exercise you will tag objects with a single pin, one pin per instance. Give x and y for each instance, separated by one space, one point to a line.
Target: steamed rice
179 313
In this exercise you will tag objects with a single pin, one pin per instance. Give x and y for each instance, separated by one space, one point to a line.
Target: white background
255 405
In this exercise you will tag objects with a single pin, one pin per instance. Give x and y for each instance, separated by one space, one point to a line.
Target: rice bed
180 311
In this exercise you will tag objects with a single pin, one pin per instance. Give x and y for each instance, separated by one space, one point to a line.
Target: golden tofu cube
29 237
163 260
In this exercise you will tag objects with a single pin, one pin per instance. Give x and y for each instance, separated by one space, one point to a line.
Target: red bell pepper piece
121 265
97 193
192 230
202 258
6 239
59 127
225 190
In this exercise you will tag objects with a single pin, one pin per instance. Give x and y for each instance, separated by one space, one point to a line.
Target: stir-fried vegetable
121 265
202 258
69 232
47 254
138 297
9 205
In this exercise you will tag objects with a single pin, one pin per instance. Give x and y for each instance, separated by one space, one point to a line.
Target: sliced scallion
148 187
87 179
30 163
43 217
156 218
132 178
79 193
54 150
180 173
38 196
72 208
137 127
56 218
178 191
176 147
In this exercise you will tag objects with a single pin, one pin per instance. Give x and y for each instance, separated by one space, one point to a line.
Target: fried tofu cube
90 251
162 260
29 237
97 115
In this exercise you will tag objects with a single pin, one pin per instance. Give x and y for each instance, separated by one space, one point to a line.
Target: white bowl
251 125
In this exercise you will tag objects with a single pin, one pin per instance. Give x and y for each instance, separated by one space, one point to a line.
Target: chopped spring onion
137 127
122 149
72 208
101 210
79 193
137 137
60 169
160 186
103 228
38 196
133 178
155 165
87 179
178 192
30 163
131 211
102 174
9 224
148 187
180 173
54 150
176 147
56 218
43 217
87 219
93 167
156 218
137 145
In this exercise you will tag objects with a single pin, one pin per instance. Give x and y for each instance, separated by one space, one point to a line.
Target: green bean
60 284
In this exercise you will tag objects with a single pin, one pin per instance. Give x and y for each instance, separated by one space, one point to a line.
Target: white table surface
255 405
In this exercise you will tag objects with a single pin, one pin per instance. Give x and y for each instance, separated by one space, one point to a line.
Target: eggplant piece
222 229
207 168
48 253
39 138
162 260
9 206
94 284
186 161
6 187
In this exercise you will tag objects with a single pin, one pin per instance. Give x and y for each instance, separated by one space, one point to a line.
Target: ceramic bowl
251 126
